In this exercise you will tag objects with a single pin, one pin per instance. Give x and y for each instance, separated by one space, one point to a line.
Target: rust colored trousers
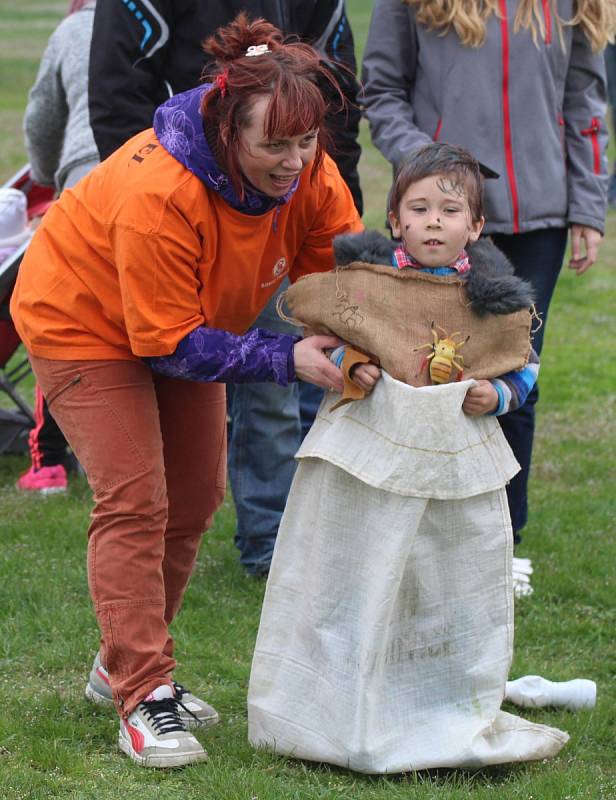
154 451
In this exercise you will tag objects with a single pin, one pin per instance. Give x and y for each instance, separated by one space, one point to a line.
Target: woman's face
271 165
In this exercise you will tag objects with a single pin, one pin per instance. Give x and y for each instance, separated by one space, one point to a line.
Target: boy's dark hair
438 158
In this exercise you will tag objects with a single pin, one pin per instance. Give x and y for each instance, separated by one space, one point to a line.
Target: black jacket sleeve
126 74
330 32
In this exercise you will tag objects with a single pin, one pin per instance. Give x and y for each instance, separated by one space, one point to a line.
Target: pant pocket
62 387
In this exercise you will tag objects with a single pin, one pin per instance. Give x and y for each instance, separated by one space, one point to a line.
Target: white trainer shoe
533 691
154 735
522 570
193 711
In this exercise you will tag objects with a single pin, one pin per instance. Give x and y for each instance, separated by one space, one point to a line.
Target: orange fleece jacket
140 253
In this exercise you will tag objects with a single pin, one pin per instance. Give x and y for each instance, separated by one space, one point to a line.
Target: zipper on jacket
507 119
437 132
547 15
593 133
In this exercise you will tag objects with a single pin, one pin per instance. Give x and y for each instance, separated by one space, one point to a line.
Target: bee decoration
444 355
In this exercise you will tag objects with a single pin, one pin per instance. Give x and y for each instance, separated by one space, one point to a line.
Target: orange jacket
141 252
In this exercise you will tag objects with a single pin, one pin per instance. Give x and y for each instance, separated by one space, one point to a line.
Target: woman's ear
224 134
395 224
475 231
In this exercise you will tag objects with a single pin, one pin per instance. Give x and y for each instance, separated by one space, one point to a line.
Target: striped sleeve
337 356
513 387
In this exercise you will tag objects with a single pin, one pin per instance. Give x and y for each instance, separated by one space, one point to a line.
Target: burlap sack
388 313
387 626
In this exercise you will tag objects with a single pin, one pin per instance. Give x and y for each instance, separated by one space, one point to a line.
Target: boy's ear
395 224
475 231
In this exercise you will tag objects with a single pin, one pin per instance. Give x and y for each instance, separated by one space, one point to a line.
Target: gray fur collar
491 286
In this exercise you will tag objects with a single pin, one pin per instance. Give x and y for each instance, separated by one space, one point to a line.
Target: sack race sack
389 313
386 632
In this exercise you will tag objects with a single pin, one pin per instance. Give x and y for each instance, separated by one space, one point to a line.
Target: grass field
53 744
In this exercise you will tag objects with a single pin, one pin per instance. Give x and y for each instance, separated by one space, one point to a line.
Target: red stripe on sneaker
137 739
102 674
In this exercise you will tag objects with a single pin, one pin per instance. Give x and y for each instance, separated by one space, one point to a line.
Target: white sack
386 632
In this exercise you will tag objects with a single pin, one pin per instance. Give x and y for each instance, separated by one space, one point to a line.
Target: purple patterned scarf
178 124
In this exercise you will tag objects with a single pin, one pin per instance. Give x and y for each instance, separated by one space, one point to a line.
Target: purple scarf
178 125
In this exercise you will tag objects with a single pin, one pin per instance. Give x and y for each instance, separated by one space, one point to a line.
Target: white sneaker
522 570
155 736
523 565
193 711
533 691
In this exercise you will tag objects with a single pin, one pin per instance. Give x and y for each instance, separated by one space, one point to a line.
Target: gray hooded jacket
57 122
533 113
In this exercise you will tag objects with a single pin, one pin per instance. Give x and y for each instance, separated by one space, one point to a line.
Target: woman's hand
579 261
480 399
366 376
312 365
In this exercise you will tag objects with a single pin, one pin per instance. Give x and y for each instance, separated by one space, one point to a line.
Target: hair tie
257 50
221 82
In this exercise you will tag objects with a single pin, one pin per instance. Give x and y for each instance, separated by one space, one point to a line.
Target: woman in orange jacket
133 301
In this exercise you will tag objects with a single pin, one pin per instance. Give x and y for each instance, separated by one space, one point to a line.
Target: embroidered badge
279 267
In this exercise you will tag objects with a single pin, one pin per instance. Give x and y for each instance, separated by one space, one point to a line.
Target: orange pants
154 451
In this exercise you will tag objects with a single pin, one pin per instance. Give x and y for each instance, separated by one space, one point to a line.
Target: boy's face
434 220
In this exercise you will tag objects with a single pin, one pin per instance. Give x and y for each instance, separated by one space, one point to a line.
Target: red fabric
404 259
513 188
9 340
157 475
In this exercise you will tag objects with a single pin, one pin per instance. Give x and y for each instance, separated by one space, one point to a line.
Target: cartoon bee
443 356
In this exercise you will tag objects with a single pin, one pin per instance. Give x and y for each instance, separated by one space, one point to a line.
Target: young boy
386 632
435 210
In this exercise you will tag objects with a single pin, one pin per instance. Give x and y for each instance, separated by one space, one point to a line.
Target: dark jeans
268 423
537 257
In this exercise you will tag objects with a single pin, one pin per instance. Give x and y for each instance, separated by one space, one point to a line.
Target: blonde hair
597 18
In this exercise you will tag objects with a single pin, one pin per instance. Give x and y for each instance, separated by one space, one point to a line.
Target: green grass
53 744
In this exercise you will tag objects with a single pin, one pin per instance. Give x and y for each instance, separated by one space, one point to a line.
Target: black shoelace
180 691
164 715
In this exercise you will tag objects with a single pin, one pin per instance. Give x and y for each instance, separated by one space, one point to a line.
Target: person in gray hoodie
61 150
59 139
521 85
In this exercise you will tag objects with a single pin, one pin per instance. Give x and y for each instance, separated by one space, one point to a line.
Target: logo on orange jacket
280 268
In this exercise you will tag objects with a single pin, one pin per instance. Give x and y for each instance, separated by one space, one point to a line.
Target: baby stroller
16 416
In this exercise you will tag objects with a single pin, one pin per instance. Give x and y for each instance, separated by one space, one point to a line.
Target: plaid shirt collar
402 259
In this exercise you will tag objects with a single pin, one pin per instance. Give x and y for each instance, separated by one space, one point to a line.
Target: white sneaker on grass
193 711
154 735
522 570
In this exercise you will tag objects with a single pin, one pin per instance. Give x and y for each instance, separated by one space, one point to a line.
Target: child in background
61 150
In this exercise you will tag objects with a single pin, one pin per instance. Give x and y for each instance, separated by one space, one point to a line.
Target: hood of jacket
179 127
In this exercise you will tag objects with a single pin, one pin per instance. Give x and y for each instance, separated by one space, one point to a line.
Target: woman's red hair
289 74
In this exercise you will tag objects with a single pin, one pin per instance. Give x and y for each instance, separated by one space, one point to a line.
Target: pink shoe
46 480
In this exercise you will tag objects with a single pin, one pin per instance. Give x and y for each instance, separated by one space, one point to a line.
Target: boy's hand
480 399
366 376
